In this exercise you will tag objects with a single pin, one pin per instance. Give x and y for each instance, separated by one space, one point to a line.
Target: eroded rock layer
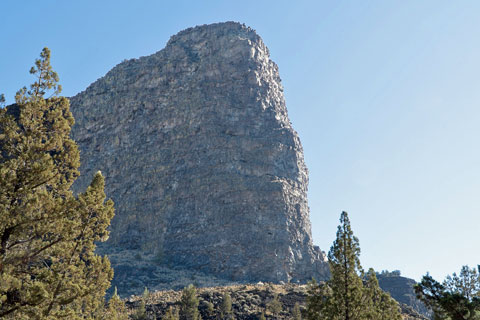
200 158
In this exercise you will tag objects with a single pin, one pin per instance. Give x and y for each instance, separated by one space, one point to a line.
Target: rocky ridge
206 172
248 302
402 290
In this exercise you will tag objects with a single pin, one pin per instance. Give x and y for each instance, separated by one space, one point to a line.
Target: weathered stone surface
201 159
402 290
248 302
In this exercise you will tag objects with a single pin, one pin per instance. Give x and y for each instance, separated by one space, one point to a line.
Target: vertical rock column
201 159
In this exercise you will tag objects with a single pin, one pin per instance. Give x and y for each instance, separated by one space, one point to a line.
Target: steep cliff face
201 159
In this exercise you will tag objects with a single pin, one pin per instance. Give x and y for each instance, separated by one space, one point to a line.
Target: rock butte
201 160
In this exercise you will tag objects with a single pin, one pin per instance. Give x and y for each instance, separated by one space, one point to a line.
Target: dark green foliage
318 300
275 306
171 314
345 296
189 304
467 283
140 312
457 298
226 307
48 268
345 284
380 305
116 308
210 308
386 273
296 314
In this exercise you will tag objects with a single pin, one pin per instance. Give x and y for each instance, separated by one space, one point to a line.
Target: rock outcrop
248 302
200 158
402 290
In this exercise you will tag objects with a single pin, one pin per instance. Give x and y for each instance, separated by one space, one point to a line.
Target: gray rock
200 158
402 290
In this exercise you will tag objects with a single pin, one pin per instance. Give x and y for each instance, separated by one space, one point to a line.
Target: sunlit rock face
200 158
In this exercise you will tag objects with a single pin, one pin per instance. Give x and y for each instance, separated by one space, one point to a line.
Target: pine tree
344 296
210 309
457 298
346 272
319 301
226 307
296 313
275 306
466 283
189 304
140 311
116 308
171 314
48 268
380 306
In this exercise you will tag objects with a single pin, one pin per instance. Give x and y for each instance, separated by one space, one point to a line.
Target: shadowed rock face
402 290
201 159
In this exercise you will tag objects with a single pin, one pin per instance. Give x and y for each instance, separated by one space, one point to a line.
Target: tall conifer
457 298
189 304
226 307
48 268
380 305
344 296
346 273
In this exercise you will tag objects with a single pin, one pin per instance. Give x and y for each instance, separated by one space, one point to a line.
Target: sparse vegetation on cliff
189 304
249 302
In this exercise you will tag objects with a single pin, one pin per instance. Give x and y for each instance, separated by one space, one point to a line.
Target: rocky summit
201 160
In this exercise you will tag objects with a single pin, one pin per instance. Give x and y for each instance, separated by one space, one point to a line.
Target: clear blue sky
384 95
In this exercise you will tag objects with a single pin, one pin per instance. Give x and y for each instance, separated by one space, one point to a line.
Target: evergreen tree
140 311
380 306
457 298
275 306
210 309
466 283
344 296
189 304
171 314
346 274
318 301
48 268
146 294
296 313
226 307
116 308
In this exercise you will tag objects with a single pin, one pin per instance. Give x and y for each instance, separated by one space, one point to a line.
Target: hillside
401 289
248 301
